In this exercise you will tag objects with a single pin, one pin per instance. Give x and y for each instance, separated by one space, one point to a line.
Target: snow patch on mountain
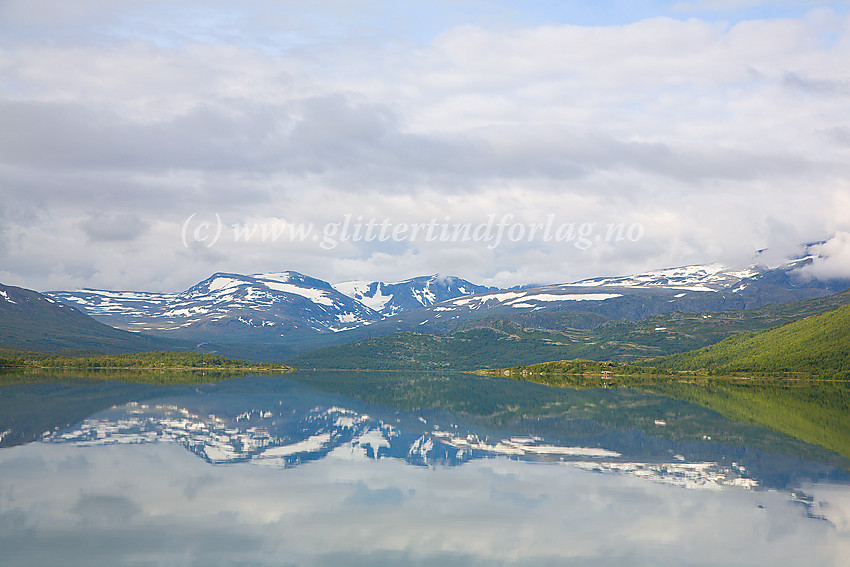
218 284
523 299
569 297
314 295
282 277
370 294
486 298
701 277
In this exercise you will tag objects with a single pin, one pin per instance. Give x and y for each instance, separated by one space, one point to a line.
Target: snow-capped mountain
708 277
237 306
414 293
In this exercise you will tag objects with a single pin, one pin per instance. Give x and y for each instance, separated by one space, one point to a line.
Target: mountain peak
390 298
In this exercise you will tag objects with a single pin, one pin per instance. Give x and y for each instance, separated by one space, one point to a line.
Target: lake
368 468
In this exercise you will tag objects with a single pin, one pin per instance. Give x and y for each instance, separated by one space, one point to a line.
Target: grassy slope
818 345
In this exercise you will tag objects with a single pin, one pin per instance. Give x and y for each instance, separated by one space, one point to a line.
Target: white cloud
832 260
706 133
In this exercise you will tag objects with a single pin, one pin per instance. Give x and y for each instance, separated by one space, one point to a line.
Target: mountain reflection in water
370 468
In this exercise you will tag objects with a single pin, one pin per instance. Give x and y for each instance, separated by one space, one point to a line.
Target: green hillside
502 343
817 346
814 347
496 343
682 332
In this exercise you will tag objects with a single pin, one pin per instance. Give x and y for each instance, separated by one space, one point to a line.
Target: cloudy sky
147 144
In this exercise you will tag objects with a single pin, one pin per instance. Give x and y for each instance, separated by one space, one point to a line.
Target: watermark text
494 230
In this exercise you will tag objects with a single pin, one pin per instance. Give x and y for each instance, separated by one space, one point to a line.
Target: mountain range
292 306
279 315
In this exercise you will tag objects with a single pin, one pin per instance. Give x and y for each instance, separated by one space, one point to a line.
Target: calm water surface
403 469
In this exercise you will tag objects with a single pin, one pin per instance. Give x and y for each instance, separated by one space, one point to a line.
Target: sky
145 145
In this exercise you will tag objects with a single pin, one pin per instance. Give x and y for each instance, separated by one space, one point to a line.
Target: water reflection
363 471
284 434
